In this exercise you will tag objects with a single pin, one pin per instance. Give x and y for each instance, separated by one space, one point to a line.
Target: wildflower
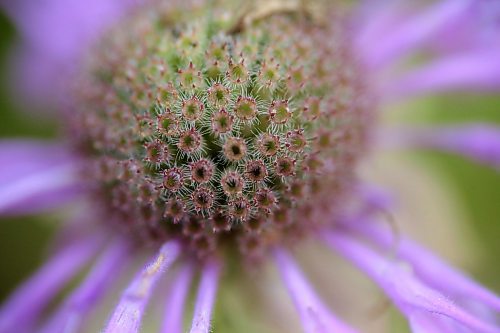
209 140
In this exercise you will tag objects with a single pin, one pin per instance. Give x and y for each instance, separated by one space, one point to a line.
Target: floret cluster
242 139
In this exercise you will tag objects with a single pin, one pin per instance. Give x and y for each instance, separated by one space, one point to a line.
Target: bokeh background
475 188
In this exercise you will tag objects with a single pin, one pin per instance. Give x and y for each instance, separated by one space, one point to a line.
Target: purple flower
218 144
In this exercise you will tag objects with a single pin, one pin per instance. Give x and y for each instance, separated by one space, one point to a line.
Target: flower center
217 138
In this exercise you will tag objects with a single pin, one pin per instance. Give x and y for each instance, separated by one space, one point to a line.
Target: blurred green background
23 240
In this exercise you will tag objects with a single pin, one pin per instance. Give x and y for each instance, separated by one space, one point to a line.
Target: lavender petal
54 36
417 31
422 323
474 71
128 313
174 310
409 294
206 298
35 177
45 189
478 30
21 157
377 18
70 317
23 307
27 151
431 269
315 317
480 142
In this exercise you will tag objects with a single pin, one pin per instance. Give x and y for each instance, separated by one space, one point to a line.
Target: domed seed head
235 149
256 170
202 170
197 130
232 183
245 108
268 144
192 109
168 124
280 112
173 179
202 198
222 122
190 141
218 95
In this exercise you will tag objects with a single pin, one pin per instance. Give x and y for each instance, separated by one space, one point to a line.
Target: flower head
221 141
240 144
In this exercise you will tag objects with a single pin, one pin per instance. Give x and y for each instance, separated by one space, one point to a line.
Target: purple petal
128 314
417 31
55 35
70 317
315 317
377 18
422 323
174 310
42 190
477 72
35 176
23 307
480 142
206 298
18 157
431 269
479 30
374 198
409 294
